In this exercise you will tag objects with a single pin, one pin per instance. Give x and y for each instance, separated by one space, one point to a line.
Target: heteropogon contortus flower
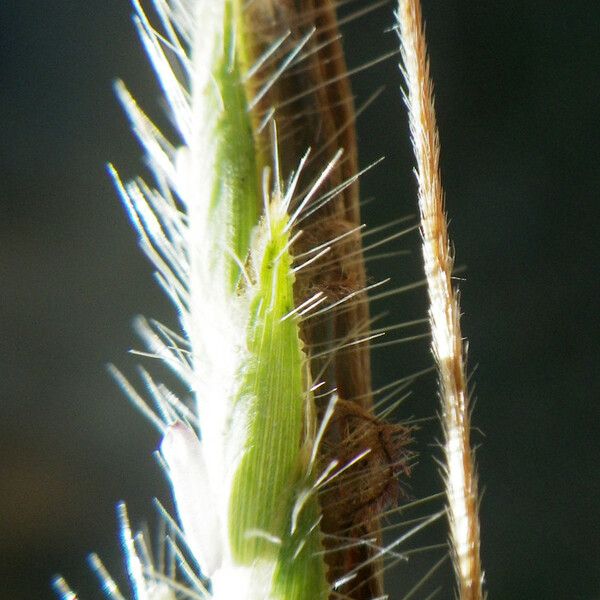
282 466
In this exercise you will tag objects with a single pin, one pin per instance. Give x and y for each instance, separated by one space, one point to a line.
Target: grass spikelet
444 311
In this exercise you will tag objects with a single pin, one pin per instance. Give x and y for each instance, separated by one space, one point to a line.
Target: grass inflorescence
285 466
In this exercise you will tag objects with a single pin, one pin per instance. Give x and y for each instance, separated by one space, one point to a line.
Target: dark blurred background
518 93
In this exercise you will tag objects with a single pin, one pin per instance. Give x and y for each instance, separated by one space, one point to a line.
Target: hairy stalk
444 311
238 459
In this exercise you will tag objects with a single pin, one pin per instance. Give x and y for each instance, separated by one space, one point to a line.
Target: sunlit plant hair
282 467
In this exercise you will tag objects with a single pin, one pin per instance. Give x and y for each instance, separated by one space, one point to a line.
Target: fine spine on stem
444 312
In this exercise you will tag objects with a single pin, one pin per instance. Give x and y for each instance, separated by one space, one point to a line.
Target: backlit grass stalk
241 461
444 311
